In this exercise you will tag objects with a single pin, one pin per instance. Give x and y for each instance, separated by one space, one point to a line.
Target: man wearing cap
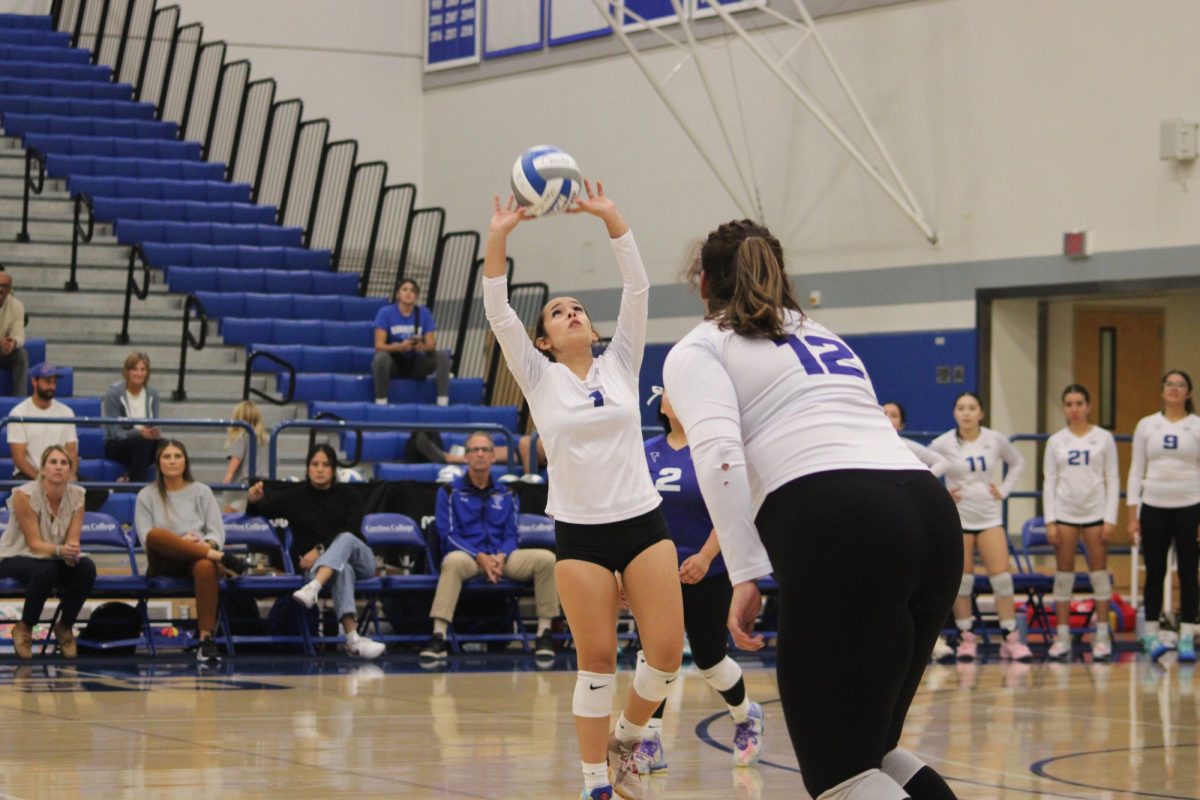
28 441
12 335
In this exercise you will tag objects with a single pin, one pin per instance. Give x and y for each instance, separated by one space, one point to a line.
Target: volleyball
545 180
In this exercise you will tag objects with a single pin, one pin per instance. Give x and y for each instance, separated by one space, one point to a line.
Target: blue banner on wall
451 33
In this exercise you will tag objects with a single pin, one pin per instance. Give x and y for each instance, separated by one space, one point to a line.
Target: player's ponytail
747 287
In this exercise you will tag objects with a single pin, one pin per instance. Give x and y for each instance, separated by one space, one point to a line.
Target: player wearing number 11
805 479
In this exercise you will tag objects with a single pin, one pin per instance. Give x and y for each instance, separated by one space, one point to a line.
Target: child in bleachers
237 451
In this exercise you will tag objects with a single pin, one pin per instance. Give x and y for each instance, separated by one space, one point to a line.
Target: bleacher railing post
192 303
101 29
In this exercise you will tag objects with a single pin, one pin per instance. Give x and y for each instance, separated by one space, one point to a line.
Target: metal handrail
312 437
132 288
394 427
157 422
248 390
78 234
32 156
190 305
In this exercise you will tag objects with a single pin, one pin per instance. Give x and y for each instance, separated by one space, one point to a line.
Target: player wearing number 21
806 480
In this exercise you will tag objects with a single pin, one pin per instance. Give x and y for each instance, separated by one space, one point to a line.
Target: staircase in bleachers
153 153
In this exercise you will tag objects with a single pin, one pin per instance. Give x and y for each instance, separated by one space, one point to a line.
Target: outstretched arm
524 361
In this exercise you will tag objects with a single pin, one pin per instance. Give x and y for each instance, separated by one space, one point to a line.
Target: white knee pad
593 694
900 765
1064 585
652 684
1101 584
1002 584
869 785
967 585
724 675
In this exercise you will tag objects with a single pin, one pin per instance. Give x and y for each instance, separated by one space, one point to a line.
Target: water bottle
1140 623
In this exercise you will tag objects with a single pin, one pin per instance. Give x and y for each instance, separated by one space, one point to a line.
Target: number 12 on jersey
832 355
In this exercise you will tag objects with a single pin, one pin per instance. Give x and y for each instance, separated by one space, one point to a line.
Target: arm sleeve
428 323
1015 462
143 516
510 541
214 523
713 424
447 525
524 361
1112 481
629 341
18 324
937 465
1049 483
1137 467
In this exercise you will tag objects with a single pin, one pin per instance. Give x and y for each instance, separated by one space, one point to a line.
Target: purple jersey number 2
830 359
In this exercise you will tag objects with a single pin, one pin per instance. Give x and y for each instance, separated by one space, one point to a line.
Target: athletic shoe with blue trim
599 793
1160 649
1187 650
747 738
626 766
653 749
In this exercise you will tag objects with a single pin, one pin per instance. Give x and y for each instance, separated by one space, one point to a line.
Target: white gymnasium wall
1013 122
1014 400
357 63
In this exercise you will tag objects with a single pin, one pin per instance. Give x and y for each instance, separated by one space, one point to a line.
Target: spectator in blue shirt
406 344
477 524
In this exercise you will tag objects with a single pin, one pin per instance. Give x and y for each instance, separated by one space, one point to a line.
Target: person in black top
325 518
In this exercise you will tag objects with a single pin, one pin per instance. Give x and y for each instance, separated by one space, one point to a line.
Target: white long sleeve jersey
937 465
1165 469
1081 481
972 466
592 428
760 413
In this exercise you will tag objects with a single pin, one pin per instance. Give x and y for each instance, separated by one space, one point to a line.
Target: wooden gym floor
492 727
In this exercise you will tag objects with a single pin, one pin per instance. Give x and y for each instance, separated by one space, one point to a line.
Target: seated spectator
40 548
179 524
427 447
237 452
326 521
132 446
406 345
12 336
477 523
28 441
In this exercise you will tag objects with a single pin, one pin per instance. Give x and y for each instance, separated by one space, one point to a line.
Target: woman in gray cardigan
179 524
132 446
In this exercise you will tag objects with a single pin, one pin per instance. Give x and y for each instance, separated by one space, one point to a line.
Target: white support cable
910 210
862 116
618 29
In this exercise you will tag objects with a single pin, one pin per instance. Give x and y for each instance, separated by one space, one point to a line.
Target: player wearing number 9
1164 479
803 477
974 453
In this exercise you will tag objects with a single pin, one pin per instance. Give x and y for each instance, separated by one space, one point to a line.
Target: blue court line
1039 768
702 733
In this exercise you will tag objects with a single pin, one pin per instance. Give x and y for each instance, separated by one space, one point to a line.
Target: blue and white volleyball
545 180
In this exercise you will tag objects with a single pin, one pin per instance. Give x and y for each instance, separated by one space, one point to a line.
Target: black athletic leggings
868 564
705 612
1161 527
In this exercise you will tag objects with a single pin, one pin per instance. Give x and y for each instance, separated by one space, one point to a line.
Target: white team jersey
1165 469
937 465
970 473
1081 481
760 413
592 428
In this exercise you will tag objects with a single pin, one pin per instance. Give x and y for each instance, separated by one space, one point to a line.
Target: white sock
627 732
1064 631
1008 626
594 775
1152 629
543 625
1187 630
381 401
963 625
351 637
740 712
443 401
440 626
1102 630
653 726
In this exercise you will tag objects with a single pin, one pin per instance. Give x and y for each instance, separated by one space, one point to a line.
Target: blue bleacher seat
38 69
238 256
507 416
33 22
91 441
44 55
295 331
371 412
25 124
75 107
347 334
99 469
120 506
60 165
131 231
34 38
325 359
270 306
82 406
157 189
291 353
310 387
361 308
50 88
242 330
35 348
535 530
113 146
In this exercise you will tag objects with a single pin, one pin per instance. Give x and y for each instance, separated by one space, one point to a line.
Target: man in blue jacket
477 524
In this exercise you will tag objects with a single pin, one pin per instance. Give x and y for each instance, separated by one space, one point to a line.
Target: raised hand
506 217
598 205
